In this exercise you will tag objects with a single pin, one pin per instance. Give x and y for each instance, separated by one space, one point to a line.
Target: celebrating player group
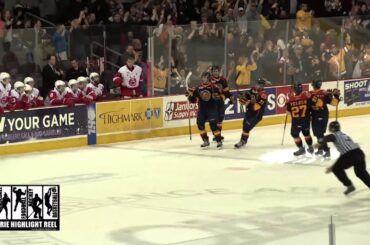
305 108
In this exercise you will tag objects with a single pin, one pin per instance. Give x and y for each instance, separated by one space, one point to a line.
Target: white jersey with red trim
4 93
55 97
35 92
15 96
131 78
97 90
70 94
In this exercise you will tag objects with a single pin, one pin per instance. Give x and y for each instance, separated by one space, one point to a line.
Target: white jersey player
30 81
129 78
57 95
95 88
5 88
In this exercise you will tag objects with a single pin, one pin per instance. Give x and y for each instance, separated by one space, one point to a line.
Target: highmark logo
155 112
29 207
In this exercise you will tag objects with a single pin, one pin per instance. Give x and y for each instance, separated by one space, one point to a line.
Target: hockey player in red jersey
30 97
129 78
207 96
5 88
95 88
57 95
299 105
37 100
73 92
255 101
17 100
87 98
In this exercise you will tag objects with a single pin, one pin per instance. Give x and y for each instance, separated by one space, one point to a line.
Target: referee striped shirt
342 142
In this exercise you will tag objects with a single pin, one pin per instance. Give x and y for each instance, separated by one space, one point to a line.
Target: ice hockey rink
169 191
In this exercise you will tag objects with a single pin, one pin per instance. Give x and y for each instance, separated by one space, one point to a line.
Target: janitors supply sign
46 123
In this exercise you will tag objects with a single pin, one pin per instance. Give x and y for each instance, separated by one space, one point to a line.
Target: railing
40 18
99 45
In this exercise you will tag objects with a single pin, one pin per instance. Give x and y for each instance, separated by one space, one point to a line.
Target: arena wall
119 121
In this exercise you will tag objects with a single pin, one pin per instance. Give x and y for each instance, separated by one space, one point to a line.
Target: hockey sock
308 140
204 136
219 125
217 135
298 142
245 137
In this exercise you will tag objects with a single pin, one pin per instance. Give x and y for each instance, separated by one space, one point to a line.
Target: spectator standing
304 18
60 43
130 51
75 71
50 74
244 70
77 35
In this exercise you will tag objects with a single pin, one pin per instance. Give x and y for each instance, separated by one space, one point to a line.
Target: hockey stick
238 92
286 114
187 88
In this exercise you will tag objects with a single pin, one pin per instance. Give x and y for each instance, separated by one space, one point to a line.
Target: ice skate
301 151
349 189
319 152
205 143
219 145
240 144
310 149
326 155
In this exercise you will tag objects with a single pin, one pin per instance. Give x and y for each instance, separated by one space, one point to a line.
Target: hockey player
350 155
320 113
57 95
29 96
299 106
5 88
73 92
255 101
36 98
207 96
223 86
82 86
95 88
17 100
129 78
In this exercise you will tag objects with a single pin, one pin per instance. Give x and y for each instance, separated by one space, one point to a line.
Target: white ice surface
169 191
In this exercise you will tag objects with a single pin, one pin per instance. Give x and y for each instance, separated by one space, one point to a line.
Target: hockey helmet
60 85
27 88
316 84
29 80
72 82
82 79
19 86
94 77
334 126
5 77
298 88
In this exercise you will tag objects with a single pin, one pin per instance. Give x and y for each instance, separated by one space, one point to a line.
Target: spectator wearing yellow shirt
337 66
304 18
160 75
244 70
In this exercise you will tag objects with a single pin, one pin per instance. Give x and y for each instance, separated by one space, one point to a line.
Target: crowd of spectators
273 39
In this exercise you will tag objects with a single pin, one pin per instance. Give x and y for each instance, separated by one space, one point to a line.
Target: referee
350 155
